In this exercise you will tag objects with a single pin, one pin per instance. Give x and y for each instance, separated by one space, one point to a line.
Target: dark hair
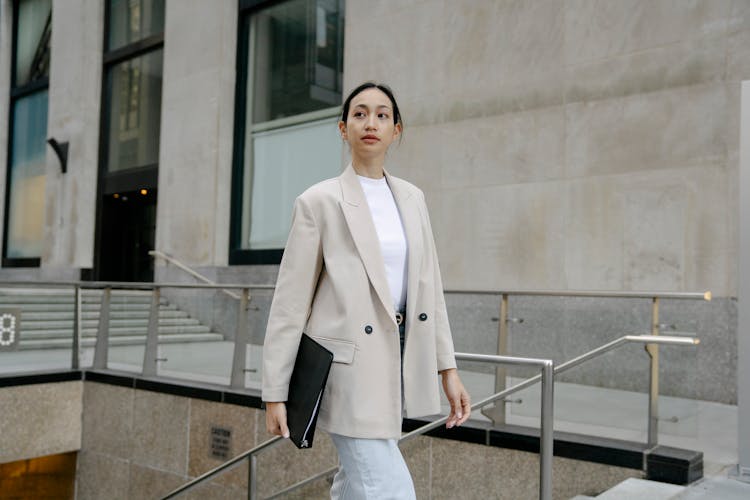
372 85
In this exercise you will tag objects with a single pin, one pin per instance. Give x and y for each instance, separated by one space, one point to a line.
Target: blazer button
423 317
368 329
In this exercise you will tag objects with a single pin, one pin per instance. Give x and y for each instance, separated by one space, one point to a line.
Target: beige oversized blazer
332 285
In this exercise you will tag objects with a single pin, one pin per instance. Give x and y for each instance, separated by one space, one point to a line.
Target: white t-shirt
391 234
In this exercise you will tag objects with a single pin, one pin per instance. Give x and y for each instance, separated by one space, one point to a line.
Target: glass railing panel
37 328
129 312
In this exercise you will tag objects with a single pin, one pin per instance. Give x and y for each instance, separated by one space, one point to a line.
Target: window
129 136
133 74
290 76
26 178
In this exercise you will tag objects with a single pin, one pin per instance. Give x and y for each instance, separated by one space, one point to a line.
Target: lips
370 139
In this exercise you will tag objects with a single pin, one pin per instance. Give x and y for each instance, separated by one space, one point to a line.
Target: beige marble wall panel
419 156
511 148
197 131
101 476
464 59
44 419
160 431
653 237
680 64
597 30
673 128
455 236
738 42
73 116
519 237
594 235
239 419
108 419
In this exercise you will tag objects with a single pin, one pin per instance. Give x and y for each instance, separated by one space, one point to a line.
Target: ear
397 130
342 129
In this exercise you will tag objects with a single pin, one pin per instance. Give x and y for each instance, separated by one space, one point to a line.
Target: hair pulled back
372 85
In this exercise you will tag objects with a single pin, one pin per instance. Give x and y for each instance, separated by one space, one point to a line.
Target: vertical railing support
240 343
252 478
75 362
151 354
547 436
497 411
653 386
101 351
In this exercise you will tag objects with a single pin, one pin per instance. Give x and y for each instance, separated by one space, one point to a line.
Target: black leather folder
306 390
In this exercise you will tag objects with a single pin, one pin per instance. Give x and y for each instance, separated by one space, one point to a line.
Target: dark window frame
16 94
237 254
108 183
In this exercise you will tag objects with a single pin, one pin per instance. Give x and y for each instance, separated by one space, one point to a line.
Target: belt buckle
399 318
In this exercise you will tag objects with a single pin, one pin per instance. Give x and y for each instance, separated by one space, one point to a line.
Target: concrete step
44 307
113 323
118 341
94 315
61 299
113 332
641 488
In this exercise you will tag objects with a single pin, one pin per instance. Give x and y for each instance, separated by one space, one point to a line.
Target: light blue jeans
371 469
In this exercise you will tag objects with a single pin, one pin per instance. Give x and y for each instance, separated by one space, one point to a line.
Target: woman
360 276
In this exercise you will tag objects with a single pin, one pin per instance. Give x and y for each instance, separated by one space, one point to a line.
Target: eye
383 116
358 114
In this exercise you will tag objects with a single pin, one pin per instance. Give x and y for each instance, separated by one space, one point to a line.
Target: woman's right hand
276 419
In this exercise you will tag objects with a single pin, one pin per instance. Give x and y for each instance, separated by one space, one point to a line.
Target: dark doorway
128 227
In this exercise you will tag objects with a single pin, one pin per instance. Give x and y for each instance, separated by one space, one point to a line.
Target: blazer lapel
412 221
358 218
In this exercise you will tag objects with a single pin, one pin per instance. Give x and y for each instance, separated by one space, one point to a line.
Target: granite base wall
141 444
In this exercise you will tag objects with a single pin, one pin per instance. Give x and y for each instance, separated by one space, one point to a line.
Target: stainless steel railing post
497 412
239 358
252 479
546 432
75 362
653 386
101 351
151 354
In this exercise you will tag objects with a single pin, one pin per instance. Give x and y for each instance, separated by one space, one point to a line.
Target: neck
369 167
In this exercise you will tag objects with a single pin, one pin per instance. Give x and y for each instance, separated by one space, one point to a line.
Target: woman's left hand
458 398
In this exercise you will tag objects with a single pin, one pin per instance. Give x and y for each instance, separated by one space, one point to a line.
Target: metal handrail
707 295
546 444
546 429
192 272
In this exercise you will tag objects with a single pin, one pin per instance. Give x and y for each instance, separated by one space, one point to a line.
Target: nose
371 123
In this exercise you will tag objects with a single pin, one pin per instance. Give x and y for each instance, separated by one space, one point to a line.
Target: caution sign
10 329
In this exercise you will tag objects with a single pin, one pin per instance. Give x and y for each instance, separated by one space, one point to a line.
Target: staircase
47 318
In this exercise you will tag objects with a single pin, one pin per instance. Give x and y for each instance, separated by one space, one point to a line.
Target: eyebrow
378 106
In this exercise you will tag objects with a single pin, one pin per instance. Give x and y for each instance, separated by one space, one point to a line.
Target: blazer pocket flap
343 350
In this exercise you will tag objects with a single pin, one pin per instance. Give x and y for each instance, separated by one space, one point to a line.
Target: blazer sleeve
446 357
300 268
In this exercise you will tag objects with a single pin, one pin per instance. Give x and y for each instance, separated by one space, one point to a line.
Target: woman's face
369 127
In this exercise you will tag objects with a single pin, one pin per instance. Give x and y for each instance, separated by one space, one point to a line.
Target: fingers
455 414
466 407
284 429
276 420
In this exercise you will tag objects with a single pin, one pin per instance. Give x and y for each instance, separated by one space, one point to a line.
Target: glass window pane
27 177
133 20
296 58
277 177
134 111
33 40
